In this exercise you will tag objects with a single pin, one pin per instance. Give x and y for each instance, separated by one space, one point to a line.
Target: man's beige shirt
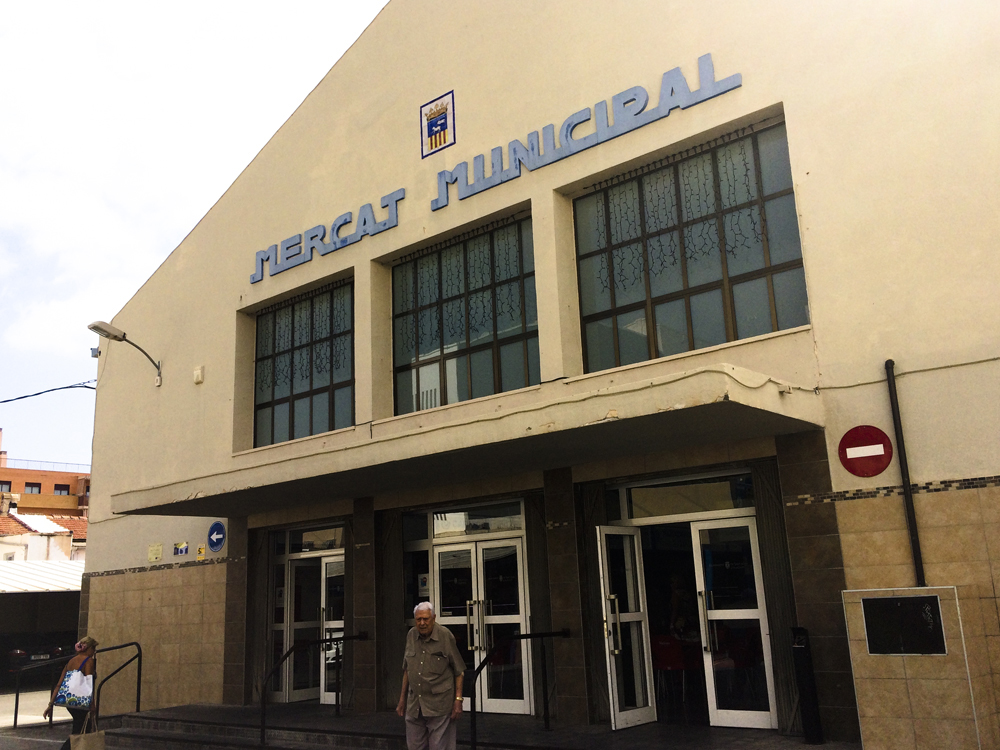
431 666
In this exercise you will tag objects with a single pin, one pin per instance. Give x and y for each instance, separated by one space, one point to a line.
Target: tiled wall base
918 702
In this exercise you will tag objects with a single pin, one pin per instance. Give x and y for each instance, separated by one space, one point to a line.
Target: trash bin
806 681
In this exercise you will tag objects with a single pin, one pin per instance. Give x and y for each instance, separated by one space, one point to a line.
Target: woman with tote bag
75 690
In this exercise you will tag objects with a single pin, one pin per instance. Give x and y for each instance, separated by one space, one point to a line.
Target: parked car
20 650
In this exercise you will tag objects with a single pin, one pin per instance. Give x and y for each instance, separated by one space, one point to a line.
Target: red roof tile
76 524
10 526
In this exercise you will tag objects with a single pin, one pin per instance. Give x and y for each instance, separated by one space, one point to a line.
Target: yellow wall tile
989 502
941 699
957 507
879 666
883 698
944 544
939 734
950 666
887 734
880 576
875 548
871 514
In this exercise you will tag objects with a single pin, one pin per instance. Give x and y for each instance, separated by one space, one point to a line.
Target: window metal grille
464 319
304 377
692 254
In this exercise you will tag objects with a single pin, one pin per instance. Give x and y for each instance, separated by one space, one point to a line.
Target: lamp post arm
155 363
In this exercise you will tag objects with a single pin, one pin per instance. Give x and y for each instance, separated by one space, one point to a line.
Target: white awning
25 576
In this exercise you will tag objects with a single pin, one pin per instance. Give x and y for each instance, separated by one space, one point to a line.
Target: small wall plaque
904 625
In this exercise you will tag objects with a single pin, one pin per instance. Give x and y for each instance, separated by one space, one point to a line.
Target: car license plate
38 657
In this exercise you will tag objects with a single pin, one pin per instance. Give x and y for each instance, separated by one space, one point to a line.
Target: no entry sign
865 451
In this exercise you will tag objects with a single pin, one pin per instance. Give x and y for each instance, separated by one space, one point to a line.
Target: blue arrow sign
216 536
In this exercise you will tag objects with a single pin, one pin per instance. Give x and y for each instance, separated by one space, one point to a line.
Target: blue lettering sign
628 112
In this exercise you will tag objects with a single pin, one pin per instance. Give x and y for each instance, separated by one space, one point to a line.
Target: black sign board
904 625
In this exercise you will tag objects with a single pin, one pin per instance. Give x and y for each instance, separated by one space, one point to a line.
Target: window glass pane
301 370
697 190
402 287
452 271
701 242
506 254
302 324
427 279
404 341
283 329
282 375
790 298
343 314
321 316
485 519
263 382
595 284
707 320
530 305
534 369
737 176
630 274
512 366
782 229
744 241
281 422
321 413
775 167
753 312
430 332
660 198
671 328
406 391
509 309
482 373
479 261
454 324
263 436
527 246
697 497
430 386
664 264
414 530
301 422
590 232
456 373
480 317
321 364
265 334
342 358
600 345
633 345
623 203
343 407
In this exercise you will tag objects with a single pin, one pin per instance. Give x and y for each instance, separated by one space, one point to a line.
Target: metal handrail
97 693
361 636
471 689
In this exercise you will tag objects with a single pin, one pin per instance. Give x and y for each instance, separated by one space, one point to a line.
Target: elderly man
433 669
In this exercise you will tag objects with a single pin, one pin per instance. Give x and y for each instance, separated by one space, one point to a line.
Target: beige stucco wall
890 111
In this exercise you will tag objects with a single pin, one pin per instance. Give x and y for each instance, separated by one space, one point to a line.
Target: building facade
558 317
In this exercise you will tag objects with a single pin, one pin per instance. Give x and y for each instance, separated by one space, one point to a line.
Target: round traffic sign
865 451
216 536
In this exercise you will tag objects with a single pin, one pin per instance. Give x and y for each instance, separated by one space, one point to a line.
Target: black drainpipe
904 469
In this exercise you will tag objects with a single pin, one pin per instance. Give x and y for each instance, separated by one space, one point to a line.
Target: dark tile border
165 566
945 485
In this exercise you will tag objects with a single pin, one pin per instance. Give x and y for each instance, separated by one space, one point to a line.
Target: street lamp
108 331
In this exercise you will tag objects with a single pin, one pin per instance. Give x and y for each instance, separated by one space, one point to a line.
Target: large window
4 486
32 488
304 382
464 319
695 251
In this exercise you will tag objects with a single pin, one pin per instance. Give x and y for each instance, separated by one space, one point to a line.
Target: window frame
61 489
724 284
312 391
32 488
528 333
4 485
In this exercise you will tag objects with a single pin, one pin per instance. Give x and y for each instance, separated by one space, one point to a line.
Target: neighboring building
45 486
600 383
31 537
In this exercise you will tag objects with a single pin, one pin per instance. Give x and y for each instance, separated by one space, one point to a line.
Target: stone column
365 662
564 594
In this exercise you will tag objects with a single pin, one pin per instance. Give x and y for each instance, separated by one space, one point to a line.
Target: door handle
705 643
468 625
617 623
482 626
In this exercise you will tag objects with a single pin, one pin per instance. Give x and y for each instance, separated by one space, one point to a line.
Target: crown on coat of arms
436 111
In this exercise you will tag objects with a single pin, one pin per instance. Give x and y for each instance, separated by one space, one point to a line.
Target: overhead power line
84 384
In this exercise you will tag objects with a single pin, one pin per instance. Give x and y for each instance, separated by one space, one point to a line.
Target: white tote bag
76 690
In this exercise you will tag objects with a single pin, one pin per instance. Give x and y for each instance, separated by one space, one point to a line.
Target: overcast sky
121 123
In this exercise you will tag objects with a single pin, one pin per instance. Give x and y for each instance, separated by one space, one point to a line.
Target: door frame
723 717
330 629
303 694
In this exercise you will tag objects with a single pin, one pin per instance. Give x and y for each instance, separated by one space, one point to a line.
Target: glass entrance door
331 655
734 631
305 613
481 598
626 627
